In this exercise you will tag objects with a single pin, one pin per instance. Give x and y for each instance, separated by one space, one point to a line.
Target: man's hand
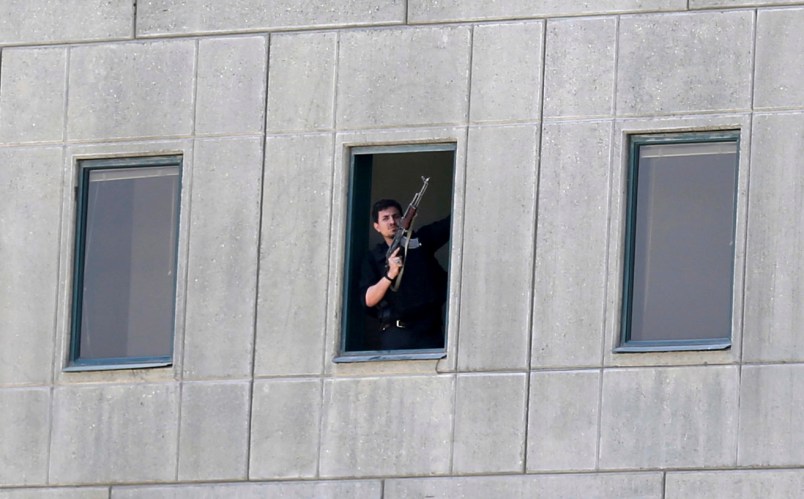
394 264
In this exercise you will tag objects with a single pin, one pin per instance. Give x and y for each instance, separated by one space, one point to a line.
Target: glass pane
130 241
684 242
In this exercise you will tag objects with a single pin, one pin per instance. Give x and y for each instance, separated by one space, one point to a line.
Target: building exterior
263 103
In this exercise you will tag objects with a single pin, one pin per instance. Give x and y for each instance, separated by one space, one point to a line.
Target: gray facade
264 100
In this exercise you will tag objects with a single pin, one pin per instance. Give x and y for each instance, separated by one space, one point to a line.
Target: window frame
355 212
83 169
635 142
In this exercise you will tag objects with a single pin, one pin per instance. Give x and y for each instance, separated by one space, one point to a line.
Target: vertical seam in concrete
255 320
745 236
532 286
336 165
664 485
407 12
181 367
607 272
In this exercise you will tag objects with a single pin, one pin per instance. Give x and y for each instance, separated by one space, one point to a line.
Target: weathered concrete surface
685 63
222 269
33 91
24 436
746 484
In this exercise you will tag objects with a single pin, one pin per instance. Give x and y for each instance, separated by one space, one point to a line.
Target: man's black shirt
424 283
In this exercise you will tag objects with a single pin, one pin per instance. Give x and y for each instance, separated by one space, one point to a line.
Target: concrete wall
263 99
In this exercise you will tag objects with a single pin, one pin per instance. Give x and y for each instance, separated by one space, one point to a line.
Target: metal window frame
635 142
353 214
84 168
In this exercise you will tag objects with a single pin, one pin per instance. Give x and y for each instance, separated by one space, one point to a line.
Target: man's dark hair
384 204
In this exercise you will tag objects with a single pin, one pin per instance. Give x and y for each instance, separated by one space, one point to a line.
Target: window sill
679 346
390 355
116 366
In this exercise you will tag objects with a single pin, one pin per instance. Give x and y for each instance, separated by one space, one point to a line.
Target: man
411 316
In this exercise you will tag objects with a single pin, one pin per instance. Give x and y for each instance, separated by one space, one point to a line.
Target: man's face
388 222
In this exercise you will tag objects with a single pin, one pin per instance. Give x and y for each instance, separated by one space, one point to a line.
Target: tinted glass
129 262
683 246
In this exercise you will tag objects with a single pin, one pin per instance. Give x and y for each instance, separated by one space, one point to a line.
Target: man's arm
376 292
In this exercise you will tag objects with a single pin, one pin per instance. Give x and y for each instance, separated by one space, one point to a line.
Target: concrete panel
669 417
33 85
490 423
569 486
222 274
569 304
580 67
672 64
301 82
772 416
29 252
735 484
54 493
213 431
276 490
231 85
114 433
131 90
774 268
55 21
563 420
161 17
708 4
403 77
285 426
427 11
506 72
24 436
497 279
294 265
780 59
387 426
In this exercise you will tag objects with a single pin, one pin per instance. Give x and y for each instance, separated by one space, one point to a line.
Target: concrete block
285 424
33 86
114 433
214 428
403 77
294 264
780 59
710 4
267 490
29 250
162 17
506 72
131 90
568 486
427 11
490 423
57 21
771 416
734 484
563 420
579 65
222 269
56 493
24 436
387 426
685 63
497 280
231 85
571 237
774 268
301 81
669 418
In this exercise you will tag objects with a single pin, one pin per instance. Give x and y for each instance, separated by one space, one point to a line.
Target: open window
680 242
124 279
395 173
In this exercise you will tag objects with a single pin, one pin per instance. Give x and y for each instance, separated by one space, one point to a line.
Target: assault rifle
405 230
